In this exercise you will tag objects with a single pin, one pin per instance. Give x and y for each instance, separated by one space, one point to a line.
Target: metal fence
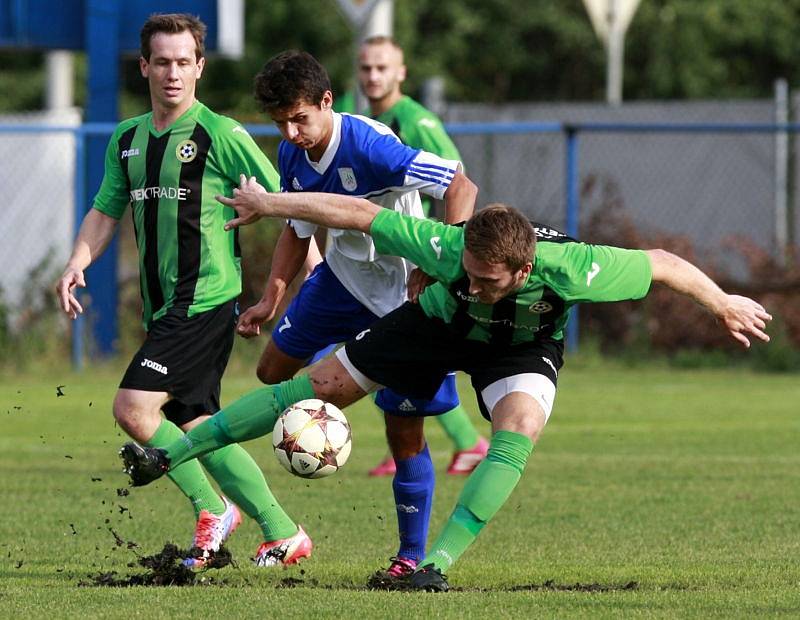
707 181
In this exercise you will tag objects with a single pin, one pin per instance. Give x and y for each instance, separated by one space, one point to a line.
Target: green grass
684 482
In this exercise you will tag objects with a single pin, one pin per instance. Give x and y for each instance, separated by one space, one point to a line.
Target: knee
328 391
405 436
262 372
122 410
137 416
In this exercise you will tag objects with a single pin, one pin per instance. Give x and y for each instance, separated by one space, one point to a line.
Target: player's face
306 125
172 70
380 71
490 282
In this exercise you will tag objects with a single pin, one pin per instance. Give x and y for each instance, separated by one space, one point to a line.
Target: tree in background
499 51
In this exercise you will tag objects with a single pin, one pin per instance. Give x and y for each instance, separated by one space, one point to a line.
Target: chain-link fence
709 182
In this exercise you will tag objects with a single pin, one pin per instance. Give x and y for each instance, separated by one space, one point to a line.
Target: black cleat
143 465
395 577
428 578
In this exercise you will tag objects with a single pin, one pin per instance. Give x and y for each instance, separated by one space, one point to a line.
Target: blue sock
413 496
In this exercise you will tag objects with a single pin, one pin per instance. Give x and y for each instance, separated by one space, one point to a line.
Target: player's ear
201 63
143 66
327 100
401 74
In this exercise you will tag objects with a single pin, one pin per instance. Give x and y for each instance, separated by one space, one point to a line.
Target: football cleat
210 532
143 465
394 577
428 578
386 467
464 461
285 551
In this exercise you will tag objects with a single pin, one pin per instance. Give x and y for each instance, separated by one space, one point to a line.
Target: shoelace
205 534
401 567
271 556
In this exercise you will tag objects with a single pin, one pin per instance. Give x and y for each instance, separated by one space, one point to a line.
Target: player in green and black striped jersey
496 311
168 165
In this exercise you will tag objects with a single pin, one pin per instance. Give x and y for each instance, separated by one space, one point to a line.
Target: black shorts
411 353
186 358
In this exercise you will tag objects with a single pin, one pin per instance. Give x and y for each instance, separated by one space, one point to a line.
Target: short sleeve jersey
365 159
170 177
565 272
416 126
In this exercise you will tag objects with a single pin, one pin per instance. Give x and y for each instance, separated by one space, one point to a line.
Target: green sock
485 491
459 428
242 480
188 477
253 415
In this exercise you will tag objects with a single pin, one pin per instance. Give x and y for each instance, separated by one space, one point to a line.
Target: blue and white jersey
365 159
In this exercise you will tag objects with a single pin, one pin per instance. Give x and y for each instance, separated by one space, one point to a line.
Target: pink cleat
386 467
285 551
210 532
464 461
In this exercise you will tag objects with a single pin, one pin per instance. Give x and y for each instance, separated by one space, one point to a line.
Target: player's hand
251 320
65 288
418 281
247 200
742 317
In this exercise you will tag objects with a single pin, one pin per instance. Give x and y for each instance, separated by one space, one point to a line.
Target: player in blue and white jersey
324 151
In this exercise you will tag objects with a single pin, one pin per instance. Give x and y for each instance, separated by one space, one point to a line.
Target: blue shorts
324 313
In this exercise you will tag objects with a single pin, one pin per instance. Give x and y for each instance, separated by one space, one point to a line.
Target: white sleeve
430 174
303 229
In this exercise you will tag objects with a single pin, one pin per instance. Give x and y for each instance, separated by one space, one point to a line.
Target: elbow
659 256
662 263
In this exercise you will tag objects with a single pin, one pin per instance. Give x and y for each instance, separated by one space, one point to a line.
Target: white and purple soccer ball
312 438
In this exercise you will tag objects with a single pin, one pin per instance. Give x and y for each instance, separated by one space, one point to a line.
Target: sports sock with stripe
413 495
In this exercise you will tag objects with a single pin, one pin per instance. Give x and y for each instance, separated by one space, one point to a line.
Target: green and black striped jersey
170 177
565 272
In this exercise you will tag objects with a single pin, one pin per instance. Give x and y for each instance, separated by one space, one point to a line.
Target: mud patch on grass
165 568
576 587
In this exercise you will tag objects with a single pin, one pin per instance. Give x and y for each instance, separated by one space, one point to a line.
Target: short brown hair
290 78
380 39
500 234
173 23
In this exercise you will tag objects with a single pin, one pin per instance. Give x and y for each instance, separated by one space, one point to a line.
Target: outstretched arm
741 315
459 204
252 202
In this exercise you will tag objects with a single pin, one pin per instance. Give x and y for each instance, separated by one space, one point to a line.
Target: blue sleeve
390 159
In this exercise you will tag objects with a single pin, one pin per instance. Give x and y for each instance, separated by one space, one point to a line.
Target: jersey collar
330 152
190 113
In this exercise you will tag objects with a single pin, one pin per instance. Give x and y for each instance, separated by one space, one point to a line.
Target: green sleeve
593 273
434 247
112 197
239 154
429 135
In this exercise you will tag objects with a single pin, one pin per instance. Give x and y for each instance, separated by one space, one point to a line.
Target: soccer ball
312 438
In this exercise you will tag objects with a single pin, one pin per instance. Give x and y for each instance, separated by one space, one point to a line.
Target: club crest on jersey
348 178
186 151
540 307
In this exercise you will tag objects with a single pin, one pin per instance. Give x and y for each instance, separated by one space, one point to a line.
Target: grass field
671 493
